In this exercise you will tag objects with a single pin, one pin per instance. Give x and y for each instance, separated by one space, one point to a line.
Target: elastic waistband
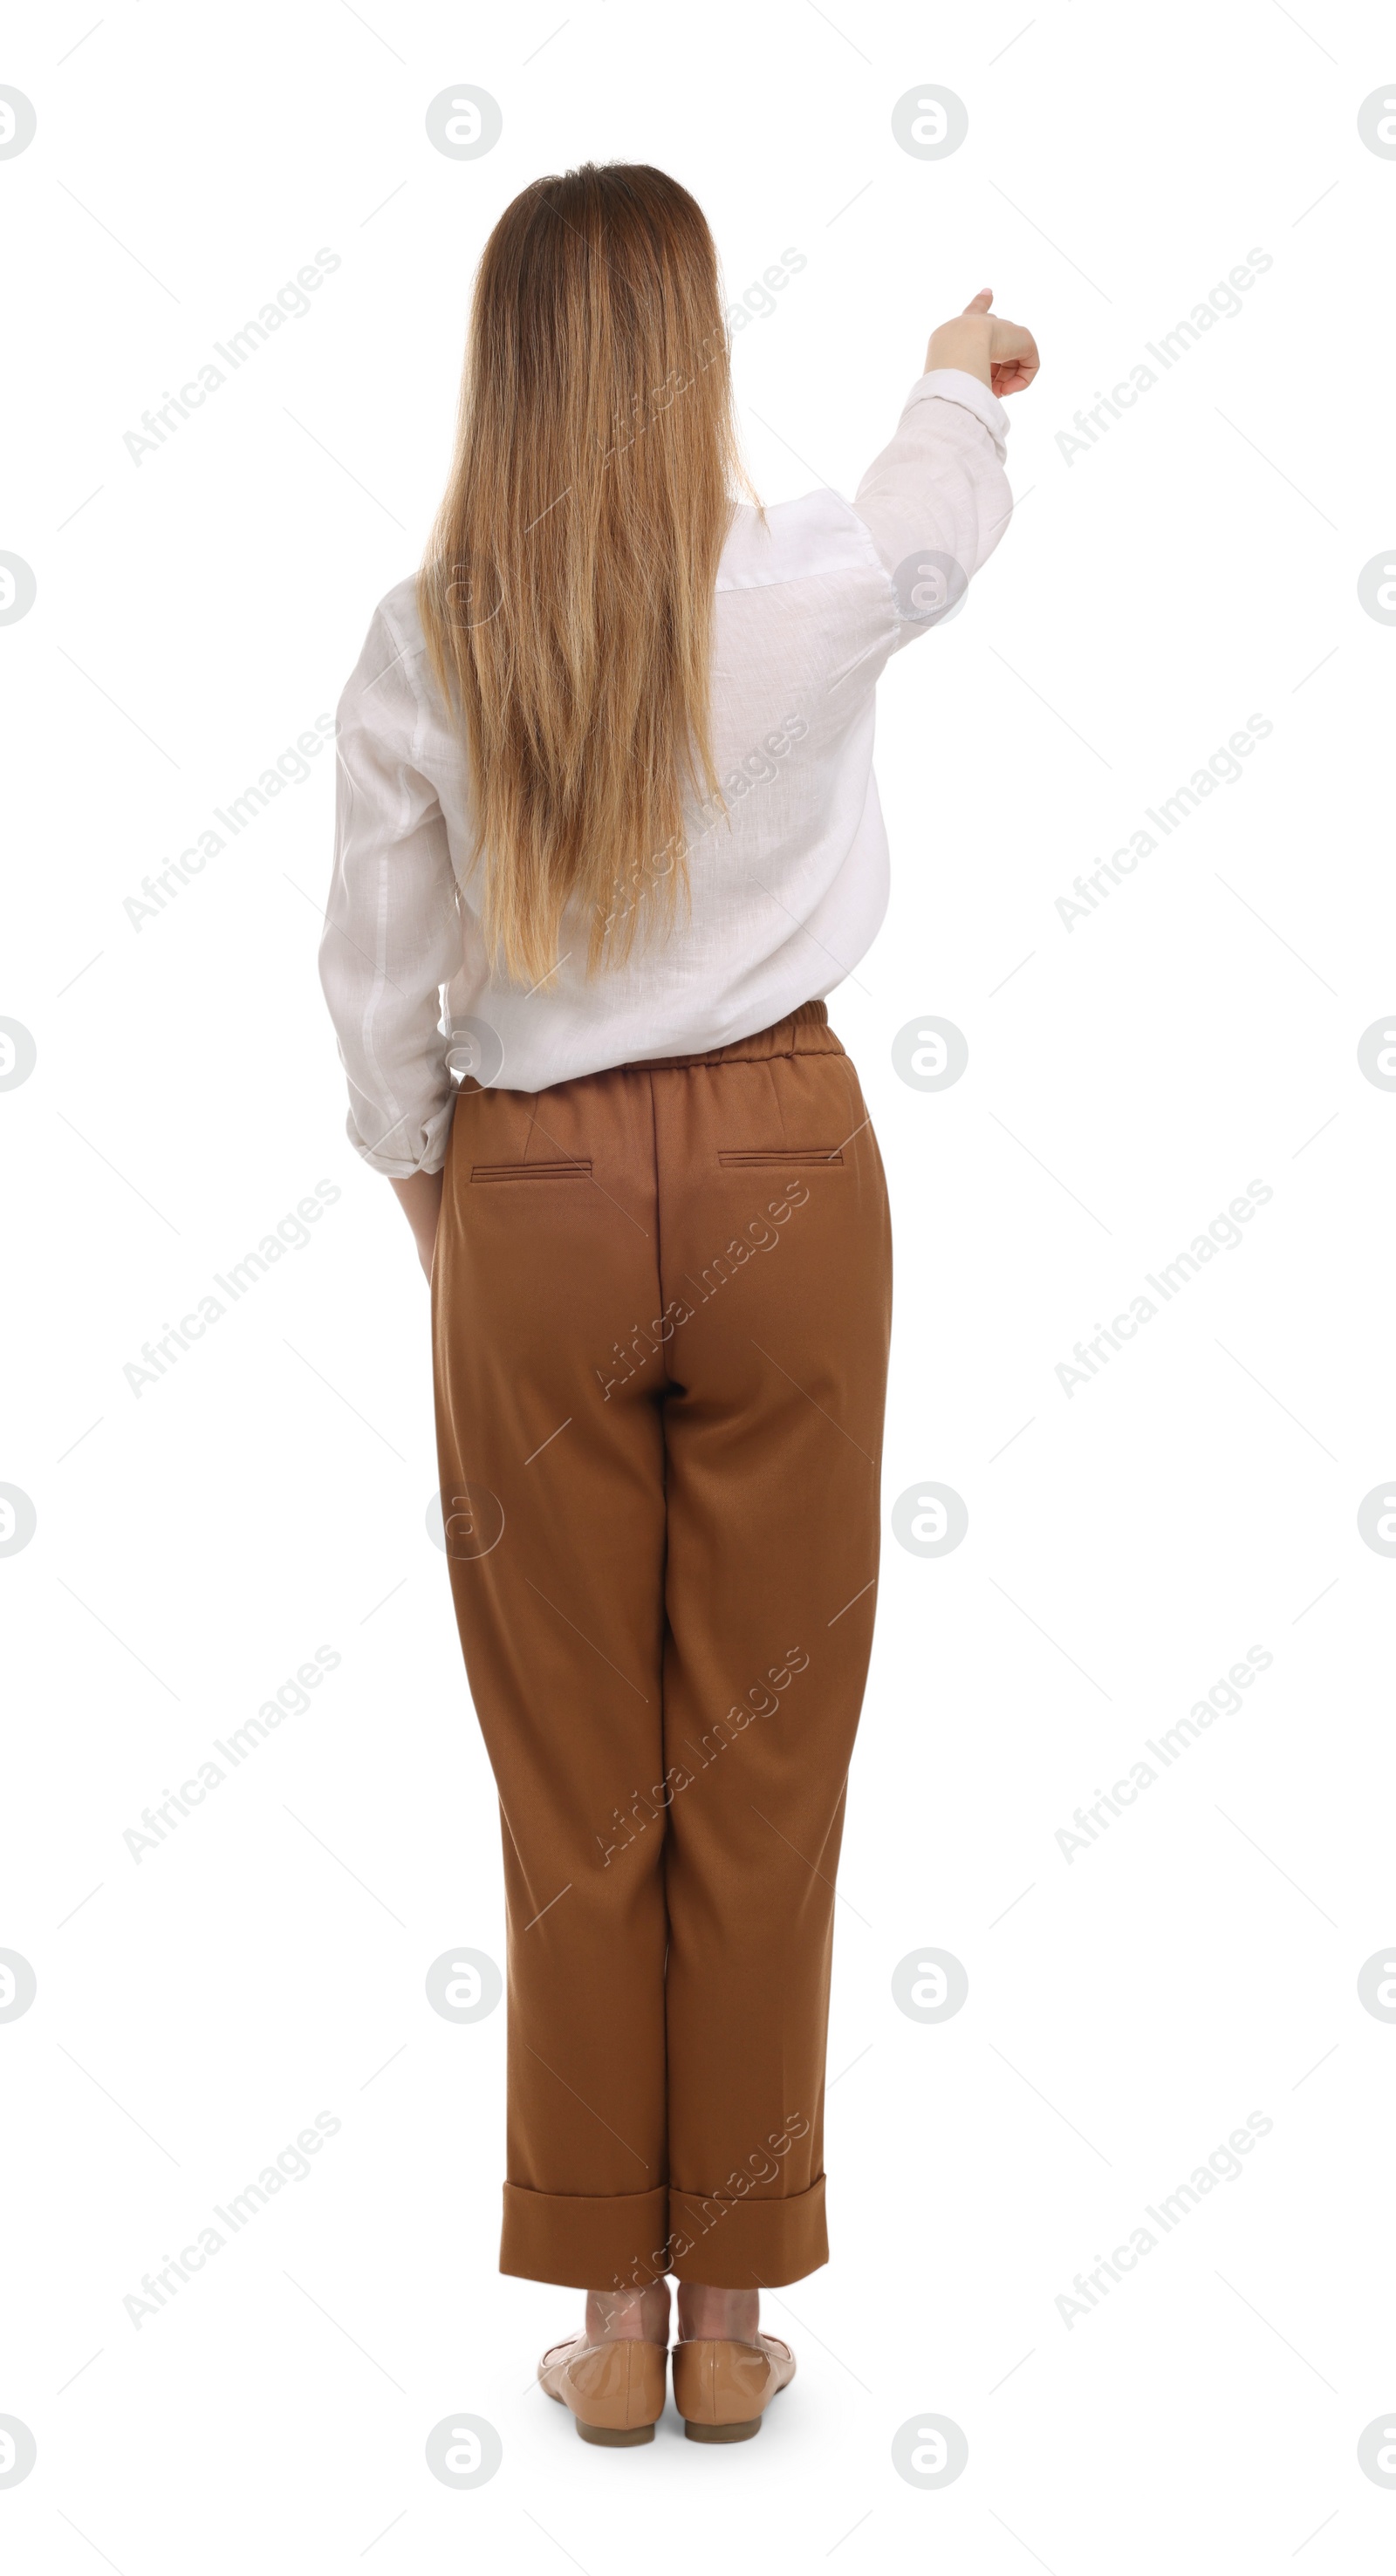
802 1032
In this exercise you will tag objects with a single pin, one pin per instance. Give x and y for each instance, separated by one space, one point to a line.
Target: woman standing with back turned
605 774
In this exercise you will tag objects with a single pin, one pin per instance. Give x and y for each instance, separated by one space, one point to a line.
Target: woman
605 780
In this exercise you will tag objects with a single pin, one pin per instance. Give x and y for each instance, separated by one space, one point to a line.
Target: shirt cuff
952 384
433 1135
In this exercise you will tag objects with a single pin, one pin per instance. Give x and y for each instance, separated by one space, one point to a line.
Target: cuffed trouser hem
582 2243
741 2244
639 2236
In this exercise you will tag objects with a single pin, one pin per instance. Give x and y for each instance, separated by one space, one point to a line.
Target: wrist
963 343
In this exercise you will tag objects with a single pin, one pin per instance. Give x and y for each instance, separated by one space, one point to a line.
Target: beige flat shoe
722 2390
615 2390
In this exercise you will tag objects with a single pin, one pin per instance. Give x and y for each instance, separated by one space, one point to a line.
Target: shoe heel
723 2432
615 2439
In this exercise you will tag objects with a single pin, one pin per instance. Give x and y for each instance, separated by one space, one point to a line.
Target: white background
197 1542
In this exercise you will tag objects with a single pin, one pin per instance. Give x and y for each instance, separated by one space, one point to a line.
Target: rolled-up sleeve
392 929
937 500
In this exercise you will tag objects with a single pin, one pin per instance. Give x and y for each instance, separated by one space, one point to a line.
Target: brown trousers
661 1307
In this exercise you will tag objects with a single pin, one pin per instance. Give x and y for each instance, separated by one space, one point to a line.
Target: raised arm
936 501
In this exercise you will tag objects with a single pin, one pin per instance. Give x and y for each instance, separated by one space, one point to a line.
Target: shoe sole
614 2438
723 2432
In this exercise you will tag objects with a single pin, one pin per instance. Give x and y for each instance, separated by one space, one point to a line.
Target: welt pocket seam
539 1171
776 1157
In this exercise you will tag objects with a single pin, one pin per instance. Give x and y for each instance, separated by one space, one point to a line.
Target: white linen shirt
788 890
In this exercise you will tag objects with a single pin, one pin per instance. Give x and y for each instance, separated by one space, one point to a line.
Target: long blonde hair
566 596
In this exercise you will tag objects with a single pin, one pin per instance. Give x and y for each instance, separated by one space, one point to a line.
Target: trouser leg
553 1495
780 1259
